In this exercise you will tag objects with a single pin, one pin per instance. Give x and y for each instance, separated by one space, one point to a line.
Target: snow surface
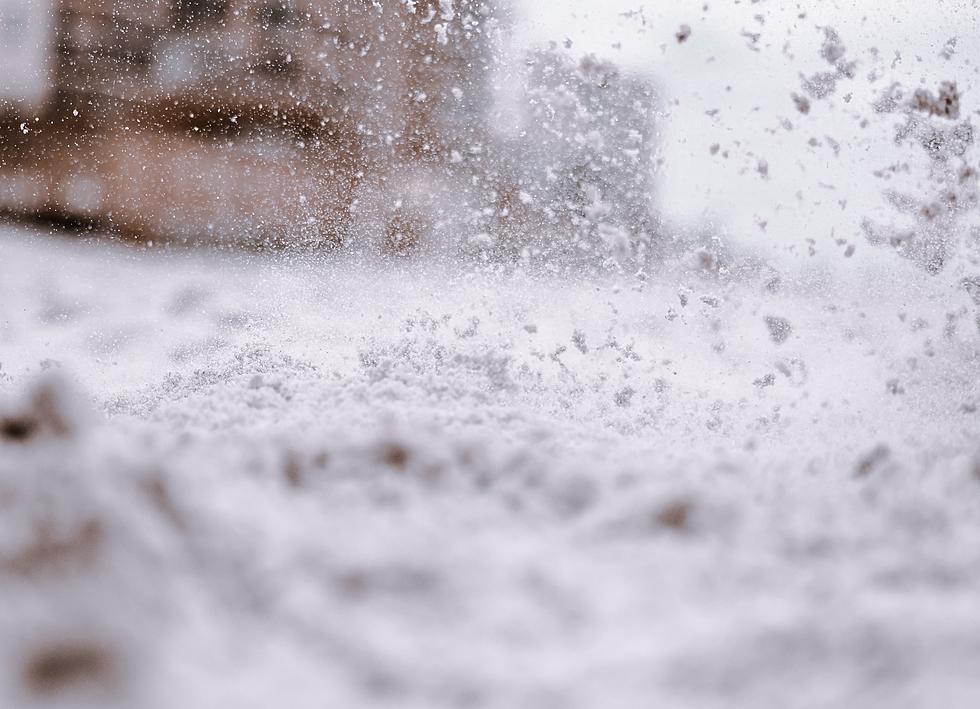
260 480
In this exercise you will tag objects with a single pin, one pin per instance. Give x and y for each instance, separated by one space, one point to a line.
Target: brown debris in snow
59 667
945 104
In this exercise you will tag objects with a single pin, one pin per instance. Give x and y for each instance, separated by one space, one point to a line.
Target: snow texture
254 480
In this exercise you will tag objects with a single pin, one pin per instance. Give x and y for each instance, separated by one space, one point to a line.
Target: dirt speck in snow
59 667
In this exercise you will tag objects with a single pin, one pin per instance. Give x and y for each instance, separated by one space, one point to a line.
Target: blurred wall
26 53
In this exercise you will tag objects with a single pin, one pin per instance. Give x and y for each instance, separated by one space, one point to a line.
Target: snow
527 425
275 479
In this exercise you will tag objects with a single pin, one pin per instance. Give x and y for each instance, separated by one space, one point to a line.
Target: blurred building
251 121
572 184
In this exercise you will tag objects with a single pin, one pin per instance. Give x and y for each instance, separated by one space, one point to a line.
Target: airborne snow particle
442 33
624 396
683 32
832 49
894 386
820 85
779 328
949 49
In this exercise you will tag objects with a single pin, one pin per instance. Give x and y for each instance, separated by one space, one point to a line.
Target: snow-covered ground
258 480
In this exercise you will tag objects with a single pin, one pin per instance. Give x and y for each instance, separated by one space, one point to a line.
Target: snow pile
288 481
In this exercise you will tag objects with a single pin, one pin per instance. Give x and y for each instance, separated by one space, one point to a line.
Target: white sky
695 77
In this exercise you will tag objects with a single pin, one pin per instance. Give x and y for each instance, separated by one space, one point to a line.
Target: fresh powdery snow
293 480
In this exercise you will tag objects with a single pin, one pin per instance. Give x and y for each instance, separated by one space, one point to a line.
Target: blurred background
496 129
225 121
316 124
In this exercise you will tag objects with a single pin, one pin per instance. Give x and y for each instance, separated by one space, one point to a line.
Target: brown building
248 121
